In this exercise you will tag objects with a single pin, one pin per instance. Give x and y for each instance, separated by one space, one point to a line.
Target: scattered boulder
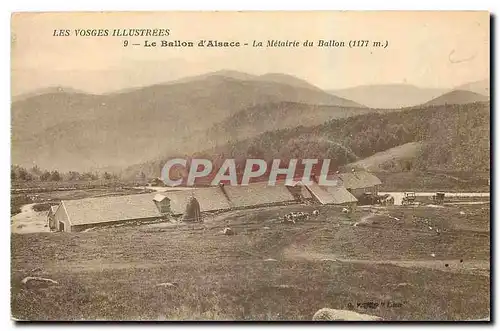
287 219
38 281
328 314
462 213
285 286
316 212
168 284
270 260
228 231
330 260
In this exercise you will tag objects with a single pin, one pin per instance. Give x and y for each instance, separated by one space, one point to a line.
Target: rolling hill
405 95
286 79
37 113
78 131
389 96
449 138
47 90
269 77
390 159
457 97
479 87
273 116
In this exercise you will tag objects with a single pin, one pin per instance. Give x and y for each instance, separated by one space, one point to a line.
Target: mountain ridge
404 95
47 129
448 137
457 97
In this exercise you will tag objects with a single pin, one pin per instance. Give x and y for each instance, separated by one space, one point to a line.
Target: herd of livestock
298 216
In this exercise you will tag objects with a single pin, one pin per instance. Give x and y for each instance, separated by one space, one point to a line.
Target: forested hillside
455 137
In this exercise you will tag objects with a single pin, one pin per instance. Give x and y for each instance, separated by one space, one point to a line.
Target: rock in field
37 282
228 231
171 285
328 314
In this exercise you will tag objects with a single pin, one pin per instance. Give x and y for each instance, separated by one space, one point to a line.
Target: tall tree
55 176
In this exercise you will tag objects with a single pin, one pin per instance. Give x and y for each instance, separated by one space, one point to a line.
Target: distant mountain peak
105 128
231 74
457 97
480 86
287 79
389 95
46 90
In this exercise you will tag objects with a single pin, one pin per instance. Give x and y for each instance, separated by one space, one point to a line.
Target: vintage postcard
256 166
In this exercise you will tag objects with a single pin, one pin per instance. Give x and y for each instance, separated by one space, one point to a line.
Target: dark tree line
455 137
18 173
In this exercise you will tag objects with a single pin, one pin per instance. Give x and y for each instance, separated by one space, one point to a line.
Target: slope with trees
454 137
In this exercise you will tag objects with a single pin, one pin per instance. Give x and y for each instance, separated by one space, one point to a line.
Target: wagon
375 199
386 200
438 198
368 199
408 198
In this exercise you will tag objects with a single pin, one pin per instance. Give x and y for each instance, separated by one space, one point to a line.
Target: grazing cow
295 216
388 201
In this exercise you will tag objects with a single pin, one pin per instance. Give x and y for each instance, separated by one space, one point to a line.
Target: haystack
192 212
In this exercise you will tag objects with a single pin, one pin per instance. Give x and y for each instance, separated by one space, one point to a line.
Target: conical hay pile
192 212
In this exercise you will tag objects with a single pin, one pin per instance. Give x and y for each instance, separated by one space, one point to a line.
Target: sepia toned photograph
250 166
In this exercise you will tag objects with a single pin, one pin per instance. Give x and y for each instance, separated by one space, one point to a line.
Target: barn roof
331 194
210 198
320 194
110 209
340 195
358 179
256 194
298 188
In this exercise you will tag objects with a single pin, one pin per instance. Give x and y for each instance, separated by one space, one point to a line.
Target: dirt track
398 196
29 221
454 266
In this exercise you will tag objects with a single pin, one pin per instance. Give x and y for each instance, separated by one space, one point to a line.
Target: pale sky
427 49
